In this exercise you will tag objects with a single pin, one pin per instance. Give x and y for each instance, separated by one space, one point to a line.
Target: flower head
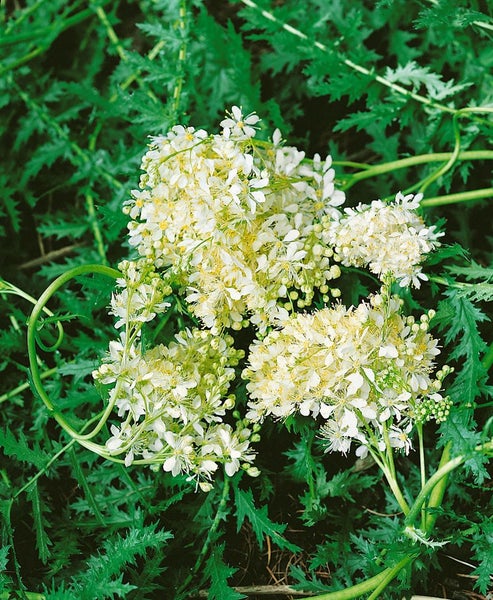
387 238
238 225
360 369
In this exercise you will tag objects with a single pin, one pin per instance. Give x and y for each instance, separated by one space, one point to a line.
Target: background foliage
83 83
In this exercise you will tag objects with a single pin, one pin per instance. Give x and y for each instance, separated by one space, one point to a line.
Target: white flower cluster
236 221
249 231
171 399
363 370
387 238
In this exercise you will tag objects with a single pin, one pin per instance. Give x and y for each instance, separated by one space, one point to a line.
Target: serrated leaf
103 577
473 272
219 573
79 369
413 75
482 544
16 445
458 319
5 579
64 229
11 208
305 583
384 114
43 542
260 521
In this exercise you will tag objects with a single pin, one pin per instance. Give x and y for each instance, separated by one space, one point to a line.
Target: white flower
238 126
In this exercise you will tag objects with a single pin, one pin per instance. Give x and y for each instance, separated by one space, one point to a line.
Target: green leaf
307 582
415 76
473 272
103 577
16 445
40 523
482 544
219 573
260 521
64 229
5 580
458 319
383 114
79 369
346 483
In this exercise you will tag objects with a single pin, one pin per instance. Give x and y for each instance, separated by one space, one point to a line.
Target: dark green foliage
259 519
219 573
83 84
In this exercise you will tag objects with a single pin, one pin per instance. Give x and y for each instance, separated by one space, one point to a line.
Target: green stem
114 39
349 63
390 472
43 32
31 344
369 585
24 386
48 34
98 237
488 358
27 595
210 535
435 489
91 210
459 197
451 161
181 59
394 486
446 466
392 574
422 467
26 12
438 492
9 288
411 161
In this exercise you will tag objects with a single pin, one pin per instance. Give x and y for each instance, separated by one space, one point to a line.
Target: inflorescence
250 233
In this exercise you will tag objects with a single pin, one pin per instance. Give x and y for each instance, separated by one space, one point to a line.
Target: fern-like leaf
104 576
41 523
219 573
260 521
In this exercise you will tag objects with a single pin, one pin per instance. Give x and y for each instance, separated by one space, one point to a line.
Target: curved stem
9 288
446 466
438 492
31 345
451 161
370 585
